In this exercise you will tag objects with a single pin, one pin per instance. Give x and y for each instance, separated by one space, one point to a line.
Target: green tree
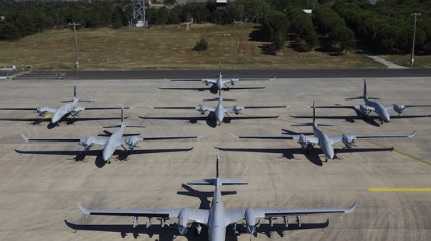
117 18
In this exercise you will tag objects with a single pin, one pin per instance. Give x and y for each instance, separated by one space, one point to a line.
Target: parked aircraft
217 218
116 142
68 112
318 137
215 85
371 110
216 115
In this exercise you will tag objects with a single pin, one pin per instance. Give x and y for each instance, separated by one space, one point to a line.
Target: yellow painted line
399 189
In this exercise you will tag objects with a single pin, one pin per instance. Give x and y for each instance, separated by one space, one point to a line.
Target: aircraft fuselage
216 219
379 109
324 143
114 141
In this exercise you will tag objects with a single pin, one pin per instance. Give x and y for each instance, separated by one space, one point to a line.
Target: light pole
75 34
412 59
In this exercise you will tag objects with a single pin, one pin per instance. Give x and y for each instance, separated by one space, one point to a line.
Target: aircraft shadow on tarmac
312 154
169 232
202 195
120 155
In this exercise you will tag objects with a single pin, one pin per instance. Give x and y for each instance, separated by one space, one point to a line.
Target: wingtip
413 134
25 138
352 208
83 210
70 225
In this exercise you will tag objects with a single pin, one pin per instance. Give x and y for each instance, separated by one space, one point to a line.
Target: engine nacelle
302 140
348 140
207 82
133 141
237 109
234 81
183 220
250 219
201 109
87 141
78 109
41 110
365 109
399 108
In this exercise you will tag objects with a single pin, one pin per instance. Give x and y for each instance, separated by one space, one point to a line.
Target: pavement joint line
399 189
427 162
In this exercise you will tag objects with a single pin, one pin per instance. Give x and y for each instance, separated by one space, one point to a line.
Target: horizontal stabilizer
217 99
213 181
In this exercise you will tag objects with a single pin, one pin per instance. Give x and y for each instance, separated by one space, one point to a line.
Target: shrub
201 45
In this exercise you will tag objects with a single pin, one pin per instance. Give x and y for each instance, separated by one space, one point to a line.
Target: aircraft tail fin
314 113
217 179
122 114
75 97
217 166
364 94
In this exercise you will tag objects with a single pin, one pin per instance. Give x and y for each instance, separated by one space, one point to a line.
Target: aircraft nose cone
55 118
329 152
387 117
107 154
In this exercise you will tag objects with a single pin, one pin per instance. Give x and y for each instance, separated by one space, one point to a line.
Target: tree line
333 25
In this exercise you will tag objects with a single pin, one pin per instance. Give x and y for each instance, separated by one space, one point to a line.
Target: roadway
287 73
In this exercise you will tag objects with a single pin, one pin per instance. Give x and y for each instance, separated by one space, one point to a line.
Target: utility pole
75 34
412 59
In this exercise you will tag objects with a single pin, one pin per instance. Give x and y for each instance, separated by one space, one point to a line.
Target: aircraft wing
333 117
411 135
291 151
186 88
251 117
25 108
37 119
60 153
98 152
134 212
152 138
175 107
264 107
150 151
41 109
197 215
353 150
409 116
234 215
51 139
338 139
107 108
335 107
286 137
188 118
209 88
414 106
245 88
193 80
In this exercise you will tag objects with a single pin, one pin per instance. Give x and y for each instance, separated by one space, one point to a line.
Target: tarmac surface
38 192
